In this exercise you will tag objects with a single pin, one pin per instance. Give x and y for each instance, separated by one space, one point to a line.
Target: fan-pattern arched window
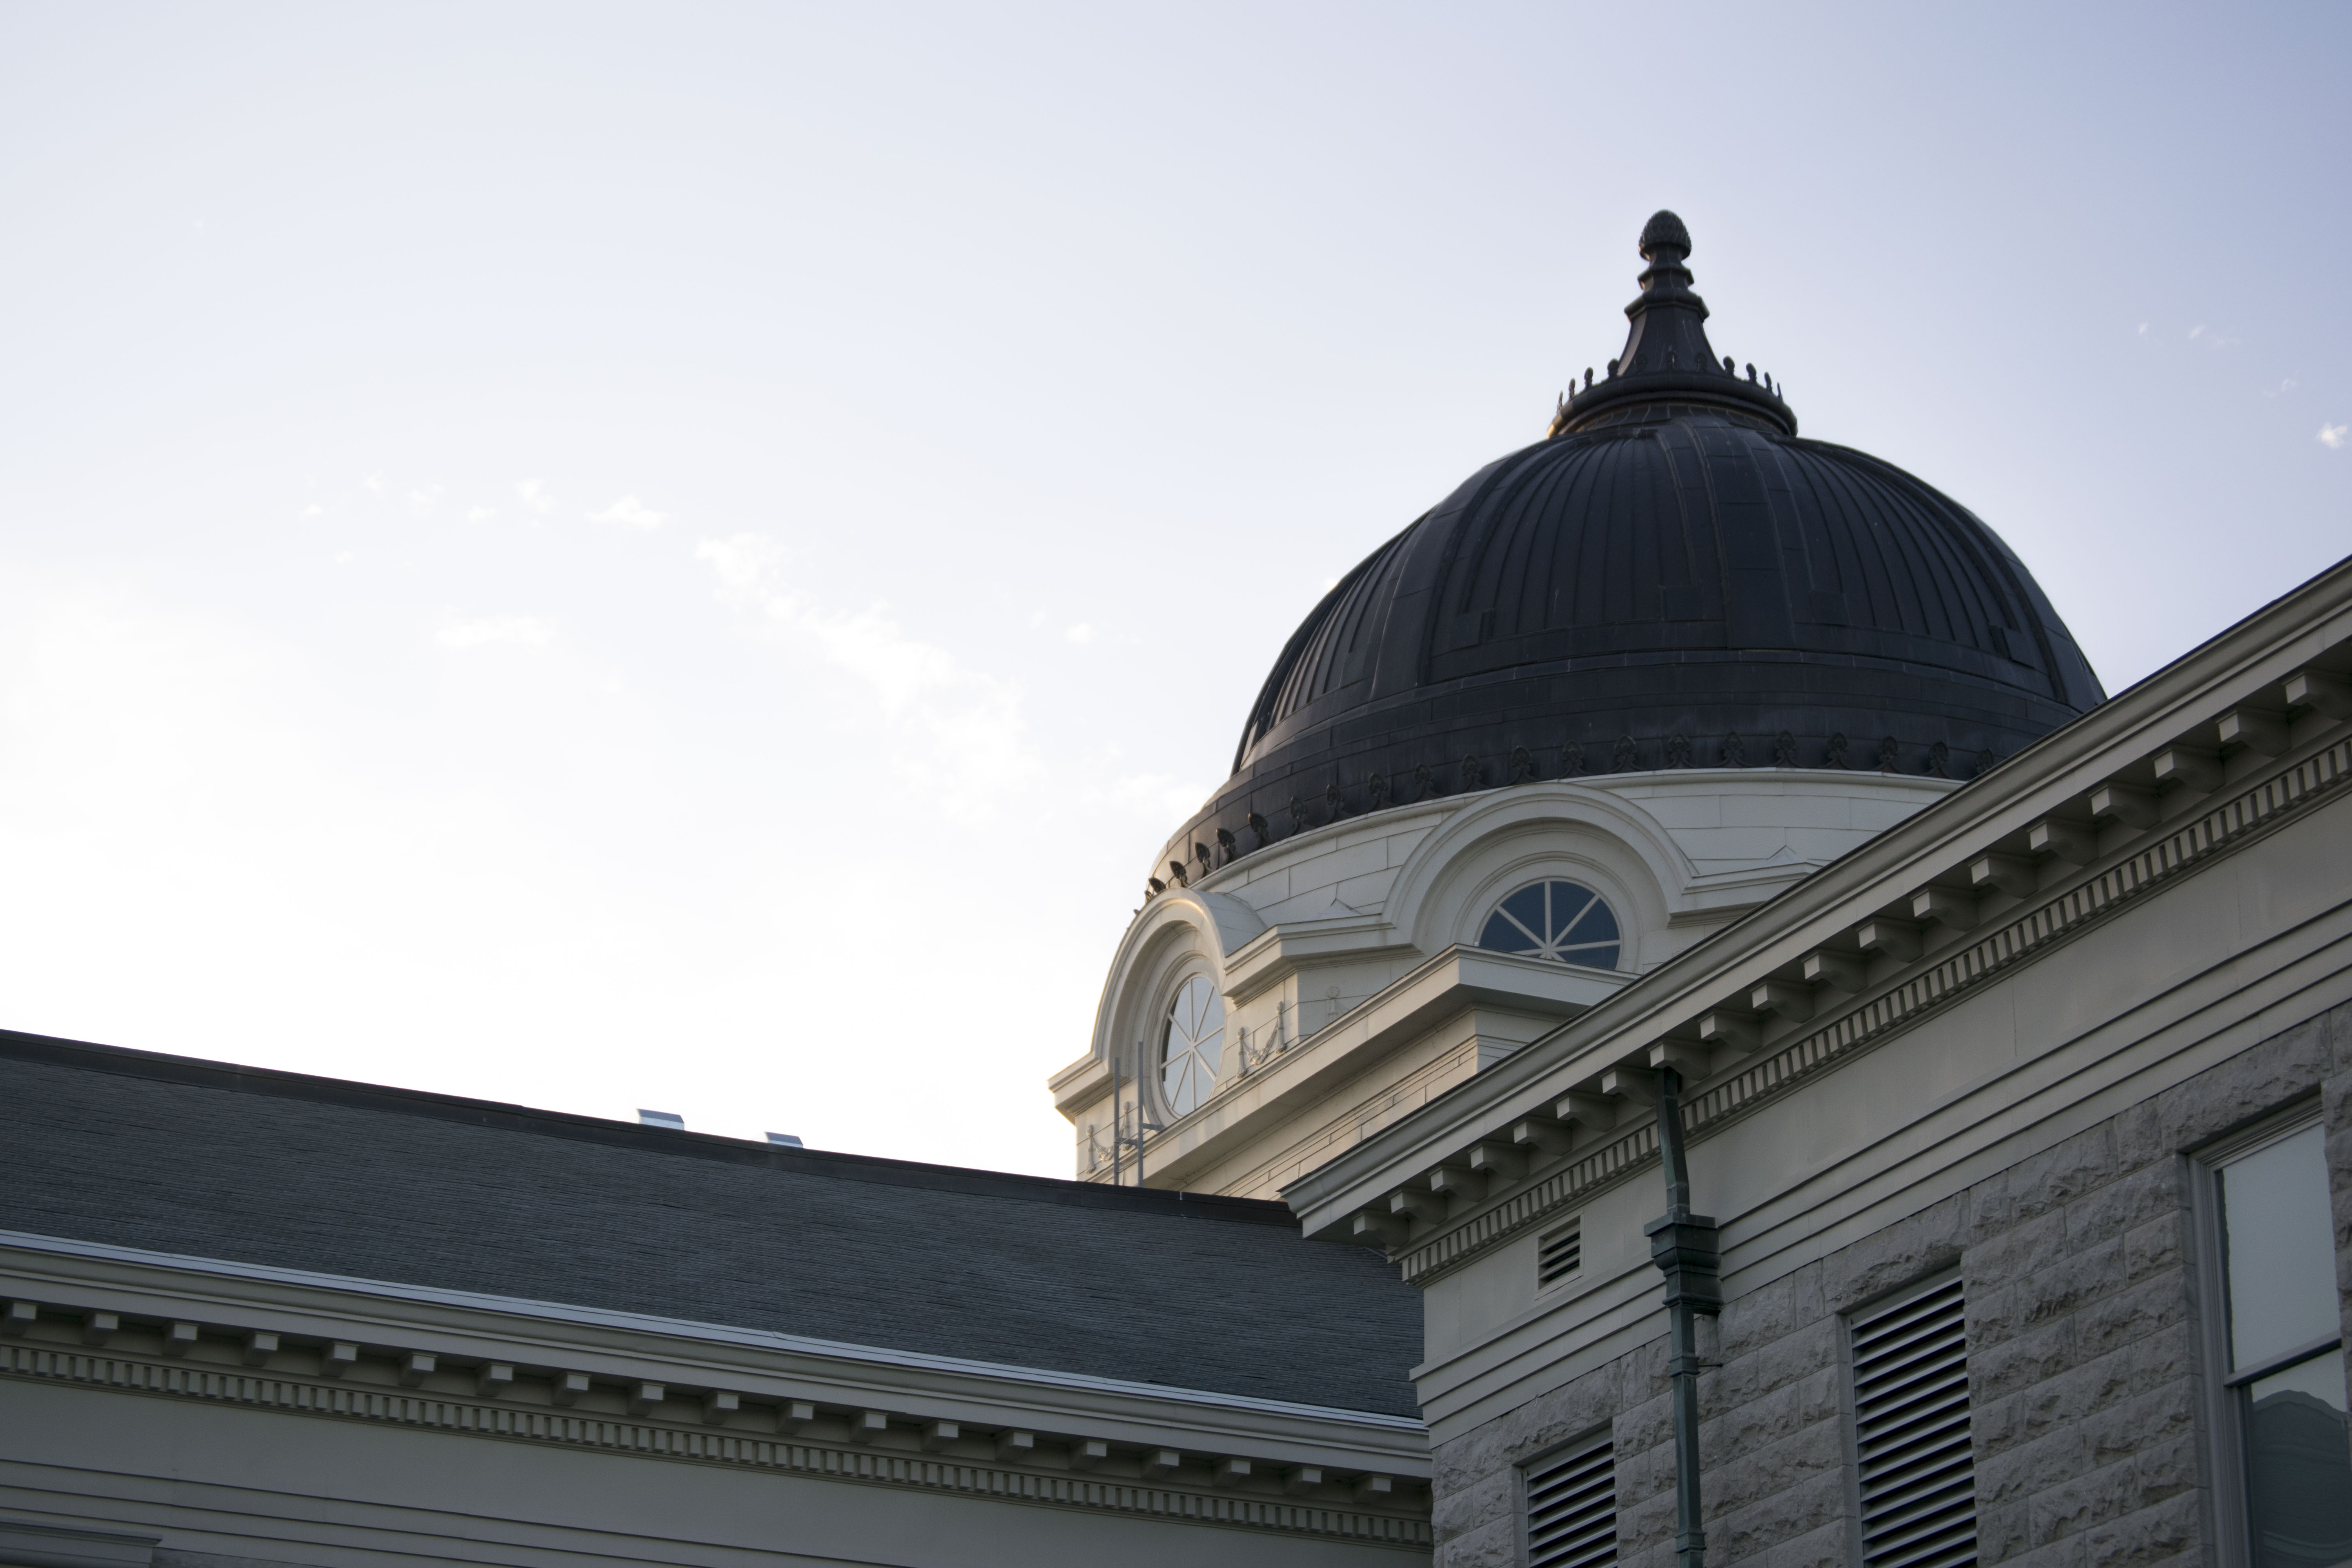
1555 920
1194 1048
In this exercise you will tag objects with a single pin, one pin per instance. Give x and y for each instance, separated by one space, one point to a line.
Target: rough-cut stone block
2256 1081
2158 1245
1796 1355
1741 1534
1490 1546
1457 1511
2006 1366
2073 1506
2074 1282
2148 1535
2019 1250
1925 1243
2027 1469
2133 1198
2137 1423
1783 1306
2132 1314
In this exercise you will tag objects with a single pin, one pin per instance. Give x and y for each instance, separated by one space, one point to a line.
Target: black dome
1671 578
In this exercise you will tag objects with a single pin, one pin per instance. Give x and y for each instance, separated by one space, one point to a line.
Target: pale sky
688 555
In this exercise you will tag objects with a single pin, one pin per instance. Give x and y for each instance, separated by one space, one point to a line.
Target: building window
1192 1049
1555 920
2282 1346
1557 1253
1571 1508
1911 1430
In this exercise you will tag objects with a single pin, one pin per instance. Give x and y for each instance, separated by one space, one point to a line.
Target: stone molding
1932 985
764 1368
128 1374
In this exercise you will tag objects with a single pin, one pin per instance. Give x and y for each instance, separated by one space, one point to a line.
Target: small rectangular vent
1558 1255
1911 1432
1572 1509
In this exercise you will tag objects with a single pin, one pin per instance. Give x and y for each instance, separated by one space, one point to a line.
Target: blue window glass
1564 922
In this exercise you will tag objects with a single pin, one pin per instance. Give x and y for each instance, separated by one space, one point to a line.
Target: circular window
1194 1046
1554 920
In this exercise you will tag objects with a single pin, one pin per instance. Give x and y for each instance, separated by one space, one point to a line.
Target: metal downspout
1684 1246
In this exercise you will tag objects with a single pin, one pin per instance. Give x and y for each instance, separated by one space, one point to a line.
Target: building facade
1695 1026
2004 1023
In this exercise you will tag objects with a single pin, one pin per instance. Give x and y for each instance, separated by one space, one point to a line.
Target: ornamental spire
1668 358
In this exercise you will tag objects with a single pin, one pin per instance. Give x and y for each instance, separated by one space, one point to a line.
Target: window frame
1170 990
1493 905
2232 1524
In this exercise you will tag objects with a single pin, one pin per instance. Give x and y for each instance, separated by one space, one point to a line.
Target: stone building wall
2086 1394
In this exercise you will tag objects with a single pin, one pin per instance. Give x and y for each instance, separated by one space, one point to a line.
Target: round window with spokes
1192 1050
1566 922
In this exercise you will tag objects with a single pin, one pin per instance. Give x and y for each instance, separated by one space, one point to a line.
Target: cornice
717 1395
327 1306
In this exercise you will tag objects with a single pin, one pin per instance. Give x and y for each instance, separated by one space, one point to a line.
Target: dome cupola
1671 579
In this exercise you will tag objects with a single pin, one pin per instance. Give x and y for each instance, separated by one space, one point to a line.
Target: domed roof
1670 578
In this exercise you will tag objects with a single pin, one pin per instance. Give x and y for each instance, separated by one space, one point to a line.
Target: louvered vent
1572 1510
1911 1431
1558 1255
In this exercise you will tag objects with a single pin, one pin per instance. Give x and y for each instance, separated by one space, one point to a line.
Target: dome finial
1663 230
1668 363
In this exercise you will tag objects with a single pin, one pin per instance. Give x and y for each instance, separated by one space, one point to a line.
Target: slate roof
202 1158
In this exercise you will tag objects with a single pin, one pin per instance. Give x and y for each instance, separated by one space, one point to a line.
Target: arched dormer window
1566 922
1193 1048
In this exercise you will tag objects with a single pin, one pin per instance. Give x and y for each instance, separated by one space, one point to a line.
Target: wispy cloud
1081 632
959 726
534 493
630 512
520 631
480 513
2333 436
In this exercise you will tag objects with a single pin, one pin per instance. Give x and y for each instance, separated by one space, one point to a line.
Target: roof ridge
236 1077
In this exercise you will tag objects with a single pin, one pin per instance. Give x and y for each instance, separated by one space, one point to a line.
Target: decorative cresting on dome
1672 580
1667 357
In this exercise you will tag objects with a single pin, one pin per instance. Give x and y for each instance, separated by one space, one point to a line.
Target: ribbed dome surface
1673 579
1689 573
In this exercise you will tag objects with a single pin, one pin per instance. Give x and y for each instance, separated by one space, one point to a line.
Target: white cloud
534 493
520 631
422 501
943 721
1081 632
480 513
2143 329
2333 436
630 512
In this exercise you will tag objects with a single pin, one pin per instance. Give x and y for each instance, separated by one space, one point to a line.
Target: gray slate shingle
215 1161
